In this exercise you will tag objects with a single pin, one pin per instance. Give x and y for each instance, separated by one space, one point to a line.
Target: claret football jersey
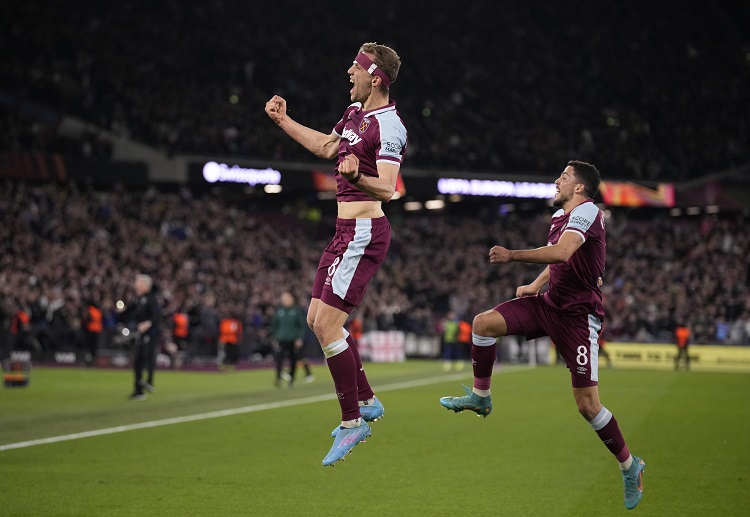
576 284
373 136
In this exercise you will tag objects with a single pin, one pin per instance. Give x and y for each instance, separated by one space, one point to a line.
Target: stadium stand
524 91
67 245
519 93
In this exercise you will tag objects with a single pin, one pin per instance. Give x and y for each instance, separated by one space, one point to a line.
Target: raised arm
320 144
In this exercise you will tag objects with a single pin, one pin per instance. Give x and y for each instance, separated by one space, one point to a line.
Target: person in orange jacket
230 336
93 325
682 339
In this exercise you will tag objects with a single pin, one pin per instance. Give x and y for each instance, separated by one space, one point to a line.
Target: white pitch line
227 412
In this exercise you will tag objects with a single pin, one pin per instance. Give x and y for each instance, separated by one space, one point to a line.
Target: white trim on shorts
595 326
355 250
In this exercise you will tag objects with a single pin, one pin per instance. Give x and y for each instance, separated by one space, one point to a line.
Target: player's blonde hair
386 59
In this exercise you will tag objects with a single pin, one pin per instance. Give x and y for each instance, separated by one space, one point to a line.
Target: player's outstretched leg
371 410
346 439
482 406
633 481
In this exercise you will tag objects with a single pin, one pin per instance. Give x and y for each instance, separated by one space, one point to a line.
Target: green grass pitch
533 456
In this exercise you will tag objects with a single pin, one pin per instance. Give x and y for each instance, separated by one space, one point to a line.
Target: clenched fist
349 167
276 108
499 255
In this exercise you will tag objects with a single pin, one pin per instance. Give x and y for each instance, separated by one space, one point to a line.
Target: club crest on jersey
364 125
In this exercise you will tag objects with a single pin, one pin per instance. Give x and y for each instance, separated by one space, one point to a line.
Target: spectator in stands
109 236
644 123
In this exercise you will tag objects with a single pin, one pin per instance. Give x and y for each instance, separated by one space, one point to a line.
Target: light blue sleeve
582 217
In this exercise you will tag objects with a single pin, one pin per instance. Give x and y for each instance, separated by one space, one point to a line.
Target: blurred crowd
212 257
647 90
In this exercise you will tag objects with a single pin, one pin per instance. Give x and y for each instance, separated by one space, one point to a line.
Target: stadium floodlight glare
412 206
272 189
434 204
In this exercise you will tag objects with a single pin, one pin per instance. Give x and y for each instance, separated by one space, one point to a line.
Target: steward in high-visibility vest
20 330
230 335
464 332
180 329
93 321
682 339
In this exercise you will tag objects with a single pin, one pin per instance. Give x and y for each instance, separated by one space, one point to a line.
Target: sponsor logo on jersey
392 147
580 221
364 125
351 136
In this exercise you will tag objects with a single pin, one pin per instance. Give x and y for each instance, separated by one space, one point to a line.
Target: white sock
335 348
625 465
481 393
351 423
368 402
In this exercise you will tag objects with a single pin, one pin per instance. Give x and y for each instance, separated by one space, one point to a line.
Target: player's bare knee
588 408
489 323
480 325
326 333
320 332
585 411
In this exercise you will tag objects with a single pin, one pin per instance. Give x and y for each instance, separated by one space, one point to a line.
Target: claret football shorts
350 261
575 336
